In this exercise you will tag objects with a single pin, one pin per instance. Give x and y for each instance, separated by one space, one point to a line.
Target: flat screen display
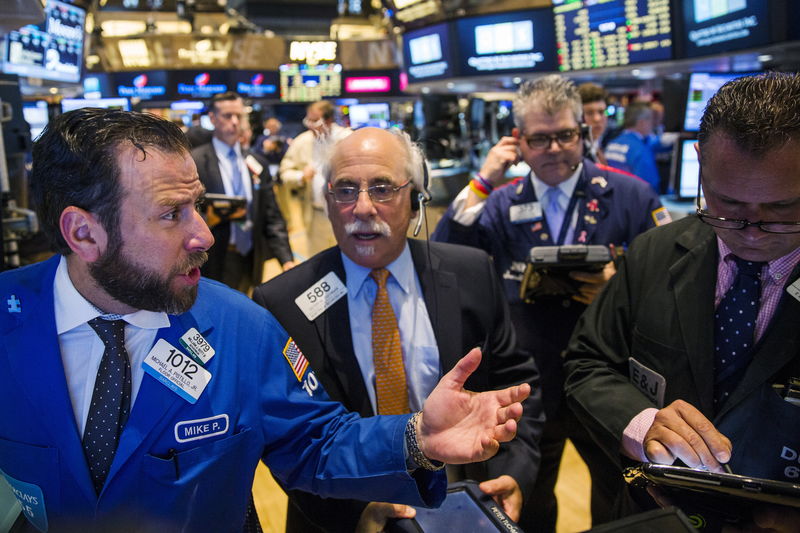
52 50
702 86
522 41
427 53
197 83
718 26
606 33
375 115
35 114
254 83
149 85
688 170
304 83
70 104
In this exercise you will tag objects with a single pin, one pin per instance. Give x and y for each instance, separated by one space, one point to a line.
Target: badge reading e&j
296 359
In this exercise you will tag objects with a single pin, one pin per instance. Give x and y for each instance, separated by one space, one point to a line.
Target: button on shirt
420 353
82 349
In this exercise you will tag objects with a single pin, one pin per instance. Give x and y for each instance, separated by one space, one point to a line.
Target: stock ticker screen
306 83
607 33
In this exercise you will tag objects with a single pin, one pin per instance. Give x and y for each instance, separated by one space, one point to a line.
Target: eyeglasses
564 138
380 192
737 224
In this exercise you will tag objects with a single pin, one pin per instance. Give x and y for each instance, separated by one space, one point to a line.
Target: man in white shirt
299 169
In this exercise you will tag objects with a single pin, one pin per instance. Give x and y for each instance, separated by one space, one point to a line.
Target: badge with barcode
177 371
648 381
197 346
321 295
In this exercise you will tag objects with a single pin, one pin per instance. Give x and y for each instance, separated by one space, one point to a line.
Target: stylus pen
727 468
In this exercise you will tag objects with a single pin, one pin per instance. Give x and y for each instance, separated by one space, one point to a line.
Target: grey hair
552 93
635 112
413 161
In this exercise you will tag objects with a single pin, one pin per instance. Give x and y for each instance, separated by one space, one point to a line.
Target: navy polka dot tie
735 323
111 400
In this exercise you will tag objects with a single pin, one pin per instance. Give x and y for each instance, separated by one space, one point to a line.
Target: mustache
194 260
373 226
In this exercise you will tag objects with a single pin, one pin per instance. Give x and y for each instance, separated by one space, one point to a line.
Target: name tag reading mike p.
321 295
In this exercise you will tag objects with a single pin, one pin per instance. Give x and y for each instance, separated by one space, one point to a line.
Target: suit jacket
612 209
467 309
659 310
270 237
166 477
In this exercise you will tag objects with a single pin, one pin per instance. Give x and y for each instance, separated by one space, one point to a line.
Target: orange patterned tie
387 354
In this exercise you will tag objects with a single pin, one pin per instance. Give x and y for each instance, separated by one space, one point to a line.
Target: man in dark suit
249 236
444 300
654 369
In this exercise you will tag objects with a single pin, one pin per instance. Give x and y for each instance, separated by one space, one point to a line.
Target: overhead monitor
427 53
70 104
197 83
300 82
373 114
255 83
607 33
719 26
52 50
702 86
35 114
520 41
687 170
148 85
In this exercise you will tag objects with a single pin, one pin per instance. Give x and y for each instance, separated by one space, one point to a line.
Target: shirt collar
567 186
73 310
777 269
402 270
223 149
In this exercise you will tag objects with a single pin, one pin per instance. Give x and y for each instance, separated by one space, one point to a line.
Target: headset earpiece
586 132
422 197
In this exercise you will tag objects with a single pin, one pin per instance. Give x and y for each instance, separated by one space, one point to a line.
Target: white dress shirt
420 352
82 349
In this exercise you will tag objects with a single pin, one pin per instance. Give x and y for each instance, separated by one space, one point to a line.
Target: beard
141 288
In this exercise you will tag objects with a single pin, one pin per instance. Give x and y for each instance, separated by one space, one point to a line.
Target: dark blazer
270 237
659 310
467 308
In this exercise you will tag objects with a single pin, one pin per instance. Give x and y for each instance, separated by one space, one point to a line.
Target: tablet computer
730 487
224 206
466 508
548 267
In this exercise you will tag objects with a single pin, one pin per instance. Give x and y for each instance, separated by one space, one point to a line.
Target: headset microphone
423 198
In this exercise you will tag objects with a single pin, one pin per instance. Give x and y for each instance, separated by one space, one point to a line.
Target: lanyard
573 201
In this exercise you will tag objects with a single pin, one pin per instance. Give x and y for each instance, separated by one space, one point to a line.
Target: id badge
320 296
647 381
530 212
177 371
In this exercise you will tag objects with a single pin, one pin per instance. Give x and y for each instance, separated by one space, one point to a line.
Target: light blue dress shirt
567 187
420 353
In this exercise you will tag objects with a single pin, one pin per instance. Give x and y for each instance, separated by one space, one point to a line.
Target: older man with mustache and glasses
381 317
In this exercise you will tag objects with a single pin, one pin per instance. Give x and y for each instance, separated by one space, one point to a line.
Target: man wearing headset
566 199
444 300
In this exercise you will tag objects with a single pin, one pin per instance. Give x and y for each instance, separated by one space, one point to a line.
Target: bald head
371 228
